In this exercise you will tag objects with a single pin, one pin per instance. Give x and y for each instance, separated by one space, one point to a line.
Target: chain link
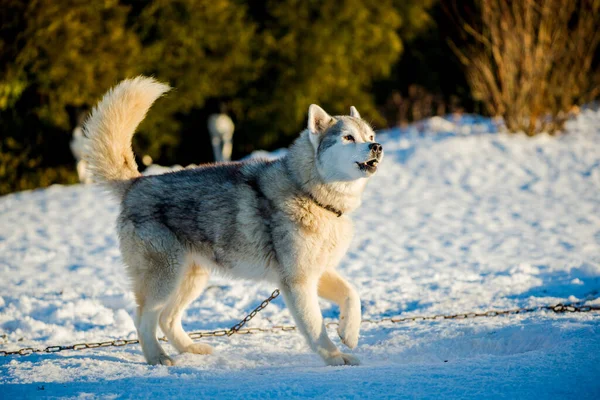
239 330
236 328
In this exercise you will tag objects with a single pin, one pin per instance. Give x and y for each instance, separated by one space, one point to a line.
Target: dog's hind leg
156 280
147 324
191 286
333 287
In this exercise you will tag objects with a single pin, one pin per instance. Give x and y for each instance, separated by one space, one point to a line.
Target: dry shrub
532 60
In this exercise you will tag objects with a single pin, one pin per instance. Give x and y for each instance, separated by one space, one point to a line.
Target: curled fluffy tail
110 127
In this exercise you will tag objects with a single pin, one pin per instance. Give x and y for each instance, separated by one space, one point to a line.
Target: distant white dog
285 221
78 148
221 129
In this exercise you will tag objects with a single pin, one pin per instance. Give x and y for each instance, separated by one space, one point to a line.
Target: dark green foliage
262 62
314 52
203 48
58 57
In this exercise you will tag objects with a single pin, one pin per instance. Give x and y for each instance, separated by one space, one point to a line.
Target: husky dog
283 221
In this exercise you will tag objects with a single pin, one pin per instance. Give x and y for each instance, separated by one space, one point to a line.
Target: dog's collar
308 194
325 206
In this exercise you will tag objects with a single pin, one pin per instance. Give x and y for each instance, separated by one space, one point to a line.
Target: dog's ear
318 122
354 112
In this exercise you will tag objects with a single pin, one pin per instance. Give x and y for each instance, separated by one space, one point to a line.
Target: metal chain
124 342
237 328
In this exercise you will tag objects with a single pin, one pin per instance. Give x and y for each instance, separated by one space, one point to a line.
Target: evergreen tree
56 58
315 52
200 47
263 62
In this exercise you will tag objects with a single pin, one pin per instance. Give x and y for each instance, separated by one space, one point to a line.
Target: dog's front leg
302 300
333 287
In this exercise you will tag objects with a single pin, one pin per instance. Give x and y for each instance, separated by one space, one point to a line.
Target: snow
459 218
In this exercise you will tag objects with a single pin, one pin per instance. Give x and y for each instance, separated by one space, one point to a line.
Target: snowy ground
458 219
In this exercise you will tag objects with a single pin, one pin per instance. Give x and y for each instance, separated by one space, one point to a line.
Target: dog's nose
376 147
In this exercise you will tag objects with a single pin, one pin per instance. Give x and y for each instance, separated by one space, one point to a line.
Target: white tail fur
110 127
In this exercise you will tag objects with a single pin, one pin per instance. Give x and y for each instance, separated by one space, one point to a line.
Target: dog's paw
162 359
199 348
348 331
341 359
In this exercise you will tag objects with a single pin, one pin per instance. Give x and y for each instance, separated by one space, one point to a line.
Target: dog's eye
372 138
349 138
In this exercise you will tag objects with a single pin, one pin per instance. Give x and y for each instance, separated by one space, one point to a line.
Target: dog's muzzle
370 166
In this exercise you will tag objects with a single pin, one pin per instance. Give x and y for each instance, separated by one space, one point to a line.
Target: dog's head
345 147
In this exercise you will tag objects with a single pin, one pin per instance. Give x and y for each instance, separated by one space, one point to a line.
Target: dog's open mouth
368 166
